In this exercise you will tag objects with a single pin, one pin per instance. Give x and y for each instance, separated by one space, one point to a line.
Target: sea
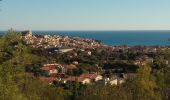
117 38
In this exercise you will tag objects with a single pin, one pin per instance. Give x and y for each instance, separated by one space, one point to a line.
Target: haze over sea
131 38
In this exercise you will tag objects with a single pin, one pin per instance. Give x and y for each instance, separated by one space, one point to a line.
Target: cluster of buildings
48 41
144 49
57 41
57 73
143 60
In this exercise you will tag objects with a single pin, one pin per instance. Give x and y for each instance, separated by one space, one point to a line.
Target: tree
102 92
15 84
143 87
12 58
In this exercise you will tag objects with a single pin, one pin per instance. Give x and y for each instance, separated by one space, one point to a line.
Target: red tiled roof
47 68
90 76
74 78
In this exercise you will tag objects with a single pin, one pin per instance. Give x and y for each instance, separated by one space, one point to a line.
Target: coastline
117 38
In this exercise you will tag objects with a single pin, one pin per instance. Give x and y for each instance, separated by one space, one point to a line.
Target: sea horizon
117 38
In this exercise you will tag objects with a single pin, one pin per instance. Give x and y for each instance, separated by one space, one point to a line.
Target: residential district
72 48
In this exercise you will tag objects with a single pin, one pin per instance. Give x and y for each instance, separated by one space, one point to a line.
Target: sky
85 14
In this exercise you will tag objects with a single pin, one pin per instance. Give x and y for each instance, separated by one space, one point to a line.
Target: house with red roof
92 77
48 70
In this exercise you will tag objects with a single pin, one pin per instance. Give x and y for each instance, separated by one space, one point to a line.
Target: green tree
143 87
15 84
12 58
102 92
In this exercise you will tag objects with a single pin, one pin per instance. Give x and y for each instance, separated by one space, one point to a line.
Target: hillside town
57 41
37 65
51 73
48 41
58 73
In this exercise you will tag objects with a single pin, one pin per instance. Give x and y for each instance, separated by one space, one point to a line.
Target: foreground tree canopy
15 84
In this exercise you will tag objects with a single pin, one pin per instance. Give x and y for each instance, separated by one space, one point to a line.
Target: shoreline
114 39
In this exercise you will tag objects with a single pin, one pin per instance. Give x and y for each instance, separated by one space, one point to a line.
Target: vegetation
15 84
16 59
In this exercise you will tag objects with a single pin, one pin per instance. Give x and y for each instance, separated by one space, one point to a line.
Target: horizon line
96 30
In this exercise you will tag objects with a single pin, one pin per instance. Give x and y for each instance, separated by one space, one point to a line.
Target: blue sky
85 14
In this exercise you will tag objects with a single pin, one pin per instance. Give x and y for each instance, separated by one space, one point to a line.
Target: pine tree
10 67
142 87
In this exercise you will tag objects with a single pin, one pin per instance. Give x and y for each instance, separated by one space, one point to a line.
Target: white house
85 81
113 81
92 77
